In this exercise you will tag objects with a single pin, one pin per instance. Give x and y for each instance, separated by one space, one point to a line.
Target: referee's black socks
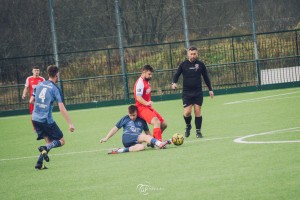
188 120
198 123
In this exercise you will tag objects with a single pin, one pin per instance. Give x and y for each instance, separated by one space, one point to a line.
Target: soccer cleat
199 134
114 152
164 144
40 166
188 130
44 152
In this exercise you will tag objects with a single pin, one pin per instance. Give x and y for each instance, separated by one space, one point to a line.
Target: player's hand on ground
71 128
174 86
103 140
211 94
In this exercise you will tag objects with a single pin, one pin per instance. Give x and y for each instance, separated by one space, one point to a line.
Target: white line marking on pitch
260 98
59 154
241 139
92 151
189 141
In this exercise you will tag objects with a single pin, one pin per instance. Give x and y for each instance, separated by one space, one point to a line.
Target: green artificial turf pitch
214 167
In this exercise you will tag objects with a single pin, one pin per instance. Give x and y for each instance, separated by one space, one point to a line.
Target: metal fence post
255 43
108 57
54 39
185 25
121 50
234 61
297 47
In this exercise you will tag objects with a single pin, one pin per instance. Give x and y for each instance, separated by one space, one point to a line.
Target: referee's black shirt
191 73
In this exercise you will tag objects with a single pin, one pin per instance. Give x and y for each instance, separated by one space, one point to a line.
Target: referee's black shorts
192 97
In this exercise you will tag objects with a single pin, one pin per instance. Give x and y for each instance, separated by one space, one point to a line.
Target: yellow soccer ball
177 139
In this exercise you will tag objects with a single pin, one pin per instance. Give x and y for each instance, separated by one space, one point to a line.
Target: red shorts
148 113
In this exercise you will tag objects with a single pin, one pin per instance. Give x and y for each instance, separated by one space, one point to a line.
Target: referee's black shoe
188 130
199 134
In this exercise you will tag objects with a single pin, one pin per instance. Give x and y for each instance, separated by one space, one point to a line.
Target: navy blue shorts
130 139
51 131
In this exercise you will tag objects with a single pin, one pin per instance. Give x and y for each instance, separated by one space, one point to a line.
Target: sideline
238 140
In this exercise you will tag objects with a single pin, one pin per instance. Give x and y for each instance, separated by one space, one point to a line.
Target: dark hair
148 68
52 70
192 48
132 109
35 67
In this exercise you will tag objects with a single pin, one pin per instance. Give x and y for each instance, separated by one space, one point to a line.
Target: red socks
157 134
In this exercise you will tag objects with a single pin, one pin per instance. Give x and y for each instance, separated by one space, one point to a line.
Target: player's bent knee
155 121
164 125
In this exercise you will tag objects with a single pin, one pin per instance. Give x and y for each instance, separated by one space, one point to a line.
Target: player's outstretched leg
164 144
158 143
119 150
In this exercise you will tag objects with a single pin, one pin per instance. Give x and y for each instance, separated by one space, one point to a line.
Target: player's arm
110 134
31 100
64 112
143 101
24 92
25 88
32 97
176 77
207 82
148 133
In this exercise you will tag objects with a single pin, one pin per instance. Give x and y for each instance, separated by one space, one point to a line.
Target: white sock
157 143
121 150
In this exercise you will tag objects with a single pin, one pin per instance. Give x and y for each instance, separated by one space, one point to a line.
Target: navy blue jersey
45 94
132 127
192 72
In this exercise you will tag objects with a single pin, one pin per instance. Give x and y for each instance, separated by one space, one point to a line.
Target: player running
142 96
43 98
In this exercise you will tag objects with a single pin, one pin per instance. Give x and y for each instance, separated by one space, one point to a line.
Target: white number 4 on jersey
42 95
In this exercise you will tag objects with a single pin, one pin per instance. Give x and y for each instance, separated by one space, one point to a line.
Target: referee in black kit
192 94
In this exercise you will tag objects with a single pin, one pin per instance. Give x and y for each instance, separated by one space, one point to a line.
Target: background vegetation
152 34
86 25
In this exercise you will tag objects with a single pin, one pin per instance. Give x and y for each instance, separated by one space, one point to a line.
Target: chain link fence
152 33
96 76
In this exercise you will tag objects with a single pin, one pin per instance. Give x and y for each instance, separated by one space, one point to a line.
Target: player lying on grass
132 137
